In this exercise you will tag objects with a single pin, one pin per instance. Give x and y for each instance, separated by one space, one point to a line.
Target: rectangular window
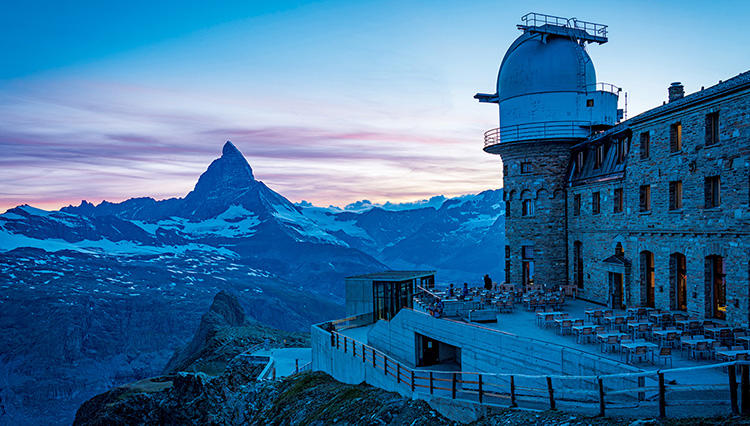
527 265
645 145
675 195
526 167
507 252
712 128
527 208
576 204
589 102
645 195
675 137
579 162
599 156
507 208
595 202
507 264
712 188
619 202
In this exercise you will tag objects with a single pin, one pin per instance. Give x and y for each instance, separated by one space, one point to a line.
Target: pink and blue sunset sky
330 101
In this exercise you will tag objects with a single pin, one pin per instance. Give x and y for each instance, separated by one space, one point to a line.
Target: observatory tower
549 101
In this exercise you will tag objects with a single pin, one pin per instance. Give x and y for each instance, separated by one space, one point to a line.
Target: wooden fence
601 393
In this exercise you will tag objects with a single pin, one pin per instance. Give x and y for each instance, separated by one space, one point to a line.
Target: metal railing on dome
541 130
534 19
603 87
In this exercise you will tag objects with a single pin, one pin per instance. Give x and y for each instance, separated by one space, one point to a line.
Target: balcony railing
543 130
538 19
603 87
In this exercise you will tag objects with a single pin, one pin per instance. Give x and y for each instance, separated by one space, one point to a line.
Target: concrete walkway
283 359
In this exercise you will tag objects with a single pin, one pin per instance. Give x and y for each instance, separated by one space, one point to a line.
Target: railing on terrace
652 391
542 130
538 19
603 87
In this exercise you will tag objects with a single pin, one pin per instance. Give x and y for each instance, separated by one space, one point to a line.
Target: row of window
675 135
711 187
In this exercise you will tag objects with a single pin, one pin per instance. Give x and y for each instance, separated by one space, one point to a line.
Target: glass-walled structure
385 293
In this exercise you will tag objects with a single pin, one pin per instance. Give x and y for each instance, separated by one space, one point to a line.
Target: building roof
739 82
394 275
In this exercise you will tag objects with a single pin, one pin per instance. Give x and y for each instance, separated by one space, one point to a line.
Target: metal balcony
535 131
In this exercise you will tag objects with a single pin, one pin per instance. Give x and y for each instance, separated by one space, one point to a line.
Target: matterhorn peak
230 150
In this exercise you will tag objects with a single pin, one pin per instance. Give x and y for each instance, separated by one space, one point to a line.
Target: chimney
676 91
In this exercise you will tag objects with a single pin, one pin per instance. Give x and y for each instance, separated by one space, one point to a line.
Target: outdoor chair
640 352
578 322
597 317
641 331
585 336
566 327
701 348
599 329
611 342
665 354
618 323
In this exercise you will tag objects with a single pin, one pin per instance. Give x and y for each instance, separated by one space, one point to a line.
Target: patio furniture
566 326
701 348
639 349
664 355
584 333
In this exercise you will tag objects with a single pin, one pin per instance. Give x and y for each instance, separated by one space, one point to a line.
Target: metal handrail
603 87
538 19
541 130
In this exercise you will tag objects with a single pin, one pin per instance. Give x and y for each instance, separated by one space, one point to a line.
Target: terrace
538 349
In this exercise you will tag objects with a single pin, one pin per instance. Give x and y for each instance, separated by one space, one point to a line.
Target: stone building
650 211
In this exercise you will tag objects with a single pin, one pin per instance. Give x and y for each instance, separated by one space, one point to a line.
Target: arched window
578 263
647 279
678 282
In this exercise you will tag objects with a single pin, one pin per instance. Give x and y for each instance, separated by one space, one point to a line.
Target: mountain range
93 296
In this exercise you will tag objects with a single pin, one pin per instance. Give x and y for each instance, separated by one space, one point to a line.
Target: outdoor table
693 342
540 316
590 312
559 322
745 340
660 317
611 319
714 332
604 337
661 335
629 347
633 326
731 355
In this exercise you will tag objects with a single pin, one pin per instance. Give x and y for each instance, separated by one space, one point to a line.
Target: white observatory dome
531 66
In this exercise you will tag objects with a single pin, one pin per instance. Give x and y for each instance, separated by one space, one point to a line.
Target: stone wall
693 230
545 229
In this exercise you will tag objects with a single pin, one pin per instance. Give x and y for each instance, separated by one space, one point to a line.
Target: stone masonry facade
672 227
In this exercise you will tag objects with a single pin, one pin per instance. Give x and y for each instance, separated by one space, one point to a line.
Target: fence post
373 359
344 344
641 384
745 388
480 388
733 388
398 373
453 387
354 348
364 353
412 380
337 340
431 388
512 391
296 365
274 373
385 365
662 396
602 405
551 393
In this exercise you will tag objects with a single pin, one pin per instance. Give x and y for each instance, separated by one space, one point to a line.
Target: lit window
675 137
675 195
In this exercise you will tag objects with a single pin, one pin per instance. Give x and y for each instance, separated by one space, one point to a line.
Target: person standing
487 282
